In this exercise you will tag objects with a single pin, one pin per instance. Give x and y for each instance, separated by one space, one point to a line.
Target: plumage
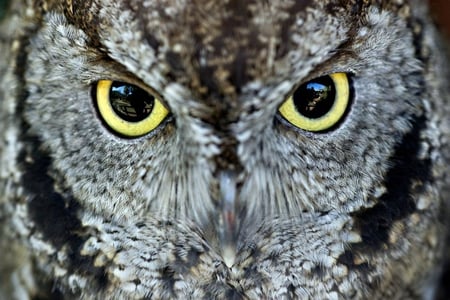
227 197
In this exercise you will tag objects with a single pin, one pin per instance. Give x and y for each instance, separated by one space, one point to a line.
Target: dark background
441 12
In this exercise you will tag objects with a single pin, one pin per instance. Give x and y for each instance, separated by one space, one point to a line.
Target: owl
201 149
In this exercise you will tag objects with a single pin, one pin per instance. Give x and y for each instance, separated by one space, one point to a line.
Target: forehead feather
215 48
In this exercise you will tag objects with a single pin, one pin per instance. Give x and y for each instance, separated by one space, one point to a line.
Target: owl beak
227 234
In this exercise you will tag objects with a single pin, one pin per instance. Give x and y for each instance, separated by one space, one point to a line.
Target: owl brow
83 14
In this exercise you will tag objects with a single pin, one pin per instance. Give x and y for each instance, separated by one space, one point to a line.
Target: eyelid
133 80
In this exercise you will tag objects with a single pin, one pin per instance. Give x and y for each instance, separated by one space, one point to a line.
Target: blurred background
440 10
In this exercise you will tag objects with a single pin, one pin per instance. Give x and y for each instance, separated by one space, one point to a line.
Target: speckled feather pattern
357 212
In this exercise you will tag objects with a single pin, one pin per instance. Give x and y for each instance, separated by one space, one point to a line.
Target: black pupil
315 98
129 102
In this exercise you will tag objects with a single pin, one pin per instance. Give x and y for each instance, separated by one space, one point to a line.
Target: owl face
288 121
220 81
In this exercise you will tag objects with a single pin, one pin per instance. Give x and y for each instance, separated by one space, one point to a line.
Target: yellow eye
318 104
127 109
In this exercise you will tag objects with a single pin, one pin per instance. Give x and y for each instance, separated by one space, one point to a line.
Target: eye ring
318 104
127 109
